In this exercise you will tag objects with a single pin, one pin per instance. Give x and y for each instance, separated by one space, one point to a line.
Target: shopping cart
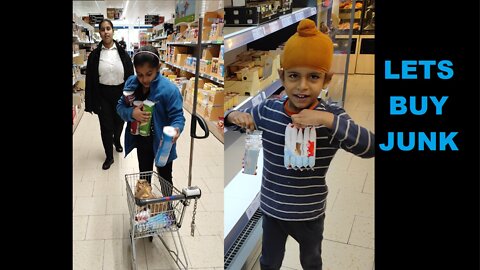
162 213
167 209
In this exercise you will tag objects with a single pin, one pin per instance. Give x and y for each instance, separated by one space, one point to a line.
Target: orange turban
308 48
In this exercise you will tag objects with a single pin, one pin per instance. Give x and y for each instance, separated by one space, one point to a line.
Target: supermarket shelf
190 43
203 75
212 126
244 36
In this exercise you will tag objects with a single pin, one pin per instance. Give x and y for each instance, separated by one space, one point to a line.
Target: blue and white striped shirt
295 195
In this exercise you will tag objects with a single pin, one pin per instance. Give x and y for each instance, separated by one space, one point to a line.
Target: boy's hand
312 118
241 119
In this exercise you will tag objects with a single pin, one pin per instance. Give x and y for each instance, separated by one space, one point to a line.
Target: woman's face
106 32
146 74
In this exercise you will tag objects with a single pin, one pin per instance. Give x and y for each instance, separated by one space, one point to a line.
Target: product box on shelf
210 52
210 17
215 65
216 98
214 112
191 83
216 32
205 33
205 66
184 73
178 49
181 58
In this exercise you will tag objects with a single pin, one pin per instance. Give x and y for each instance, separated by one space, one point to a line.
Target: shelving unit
203 75
174 54
82 41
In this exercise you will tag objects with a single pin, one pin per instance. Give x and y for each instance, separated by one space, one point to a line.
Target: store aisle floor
100 213
349 234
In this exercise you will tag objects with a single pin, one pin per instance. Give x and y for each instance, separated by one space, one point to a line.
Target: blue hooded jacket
168 111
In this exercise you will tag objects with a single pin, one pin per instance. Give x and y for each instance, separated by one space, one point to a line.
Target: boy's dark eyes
295 76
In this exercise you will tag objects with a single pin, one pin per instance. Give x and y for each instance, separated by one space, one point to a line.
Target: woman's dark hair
146 54
105 20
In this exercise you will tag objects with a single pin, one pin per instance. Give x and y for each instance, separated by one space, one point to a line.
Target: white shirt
110 67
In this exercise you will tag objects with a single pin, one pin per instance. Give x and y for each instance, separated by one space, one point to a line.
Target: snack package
299 149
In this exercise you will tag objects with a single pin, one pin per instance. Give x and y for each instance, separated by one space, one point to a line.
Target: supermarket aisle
349 234
100 213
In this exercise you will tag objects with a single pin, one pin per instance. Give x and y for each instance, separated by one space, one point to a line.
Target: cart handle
203 125
142 202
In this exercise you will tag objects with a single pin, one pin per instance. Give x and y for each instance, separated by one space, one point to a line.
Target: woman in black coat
108 67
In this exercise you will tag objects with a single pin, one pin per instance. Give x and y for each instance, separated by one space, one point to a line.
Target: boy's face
146 74
303 85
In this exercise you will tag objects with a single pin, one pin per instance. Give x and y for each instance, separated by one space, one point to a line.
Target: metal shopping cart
162 213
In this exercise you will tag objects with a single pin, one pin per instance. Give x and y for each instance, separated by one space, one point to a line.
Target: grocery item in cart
143 190
165 146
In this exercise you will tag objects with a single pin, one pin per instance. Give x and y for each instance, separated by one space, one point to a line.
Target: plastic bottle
253 144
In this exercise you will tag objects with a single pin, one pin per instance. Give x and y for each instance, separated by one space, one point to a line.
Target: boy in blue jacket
293 202
168 110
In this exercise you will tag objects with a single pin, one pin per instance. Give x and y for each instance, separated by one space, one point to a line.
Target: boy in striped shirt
293 202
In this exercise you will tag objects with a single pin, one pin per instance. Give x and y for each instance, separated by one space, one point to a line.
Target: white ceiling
135 9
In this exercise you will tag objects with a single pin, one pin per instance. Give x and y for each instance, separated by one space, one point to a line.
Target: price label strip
299 16
274 26
258 33
287 21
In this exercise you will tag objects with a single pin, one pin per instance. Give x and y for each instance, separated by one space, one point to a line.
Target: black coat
92 97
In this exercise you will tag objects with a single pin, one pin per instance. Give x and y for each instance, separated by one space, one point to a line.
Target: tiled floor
100 213
349 234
